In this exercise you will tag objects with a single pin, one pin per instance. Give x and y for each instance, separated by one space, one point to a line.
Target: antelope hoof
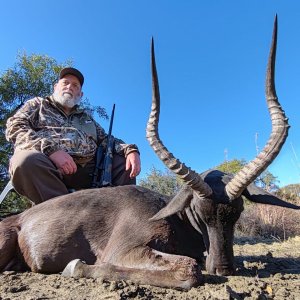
74 268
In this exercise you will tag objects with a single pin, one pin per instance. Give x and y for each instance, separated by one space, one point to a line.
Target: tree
31 76
169 184
265 180
166 183
231 166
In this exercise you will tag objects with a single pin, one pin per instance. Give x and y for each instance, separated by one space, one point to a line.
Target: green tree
168 183
32 75
265 180
164 182
231 166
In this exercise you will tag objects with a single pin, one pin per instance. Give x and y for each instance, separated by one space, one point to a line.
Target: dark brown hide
106 227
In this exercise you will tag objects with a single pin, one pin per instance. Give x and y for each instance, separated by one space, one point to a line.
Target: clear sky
211 59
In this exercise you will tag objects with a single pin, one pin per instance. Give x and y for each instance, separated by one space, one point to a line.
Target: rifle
103 167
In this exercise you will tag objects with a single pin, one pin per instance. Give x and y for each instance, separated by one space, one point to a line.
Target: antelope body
132 233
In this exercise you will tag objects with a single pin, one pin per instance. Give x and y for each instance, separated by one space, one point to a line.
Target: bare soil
266 269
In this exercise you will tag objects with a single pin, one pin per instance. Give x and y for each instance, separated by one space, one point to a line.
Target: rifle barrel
111 120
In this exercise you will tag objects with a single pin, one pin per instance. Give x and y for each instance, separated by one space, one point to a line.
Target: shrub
268 221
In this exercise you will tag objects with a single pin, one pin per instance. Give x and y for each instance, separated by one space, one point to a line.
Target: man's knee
26 161
34 176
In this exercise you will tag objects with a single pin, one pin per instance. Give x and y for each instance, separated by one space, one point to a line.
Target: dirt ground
266 269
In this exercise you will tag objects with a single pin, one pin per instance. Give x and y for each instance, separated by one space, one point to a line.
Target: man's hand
133 162
64 162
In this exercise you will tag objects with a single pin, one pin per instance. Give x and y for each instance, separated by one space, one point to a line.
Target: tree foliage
164 182
231 166
14 203
265 180
32 75
168 184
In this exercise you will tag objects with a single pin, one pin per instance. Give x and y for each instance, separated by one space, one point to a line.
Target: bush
268 221
13 203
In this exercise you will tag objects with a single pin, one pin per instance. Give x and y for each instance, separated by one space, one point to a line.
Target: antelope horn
190 177
277 138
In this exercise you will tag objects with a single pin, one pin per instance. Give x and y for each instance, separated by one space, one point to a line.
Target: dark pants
35 176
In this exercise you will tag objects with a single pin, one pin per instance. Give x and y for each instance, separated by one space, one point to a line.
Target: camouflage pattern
41 124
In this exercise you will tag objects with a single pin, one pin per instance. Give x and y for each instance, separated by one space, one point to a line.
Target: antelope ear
259 195
177 204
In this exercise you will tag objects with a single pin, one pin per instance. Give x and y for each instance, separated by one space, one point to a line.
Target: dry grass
269 221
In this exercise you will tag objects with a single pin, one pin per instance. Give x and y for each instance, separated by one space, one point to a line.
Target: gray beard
66 100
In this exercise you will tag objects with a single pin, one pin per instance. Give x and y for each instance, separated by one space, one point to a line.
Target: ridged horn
190 177
278 135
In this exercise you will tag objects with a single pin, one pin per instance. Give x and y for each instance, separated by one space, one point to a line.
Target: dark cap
72 71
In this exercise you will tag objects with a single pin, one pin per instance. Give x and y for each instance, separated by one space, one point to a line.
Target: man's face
67 91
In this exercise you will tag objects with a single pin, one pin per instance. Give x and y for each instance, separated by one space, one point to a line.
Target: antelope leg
167 271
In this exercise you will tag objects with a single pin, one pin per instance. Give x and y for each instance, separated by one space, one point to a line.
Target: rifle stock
98 167
106 179
102 175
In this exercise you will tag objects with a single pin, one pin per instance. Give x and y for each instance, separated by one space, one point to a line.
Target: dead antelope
132 233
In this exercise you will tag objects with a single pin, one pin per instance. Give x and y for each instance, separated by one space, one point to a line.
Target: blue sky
211 59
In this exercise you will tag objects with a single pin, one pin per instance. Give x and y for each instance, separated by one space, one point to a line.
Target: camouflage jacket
41 124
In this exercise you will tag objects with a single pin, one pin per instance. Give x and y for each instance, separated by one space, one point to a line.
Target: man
55 144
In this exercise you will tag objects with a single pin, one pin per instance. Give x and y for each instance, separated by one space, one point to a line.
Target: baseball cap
72 71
